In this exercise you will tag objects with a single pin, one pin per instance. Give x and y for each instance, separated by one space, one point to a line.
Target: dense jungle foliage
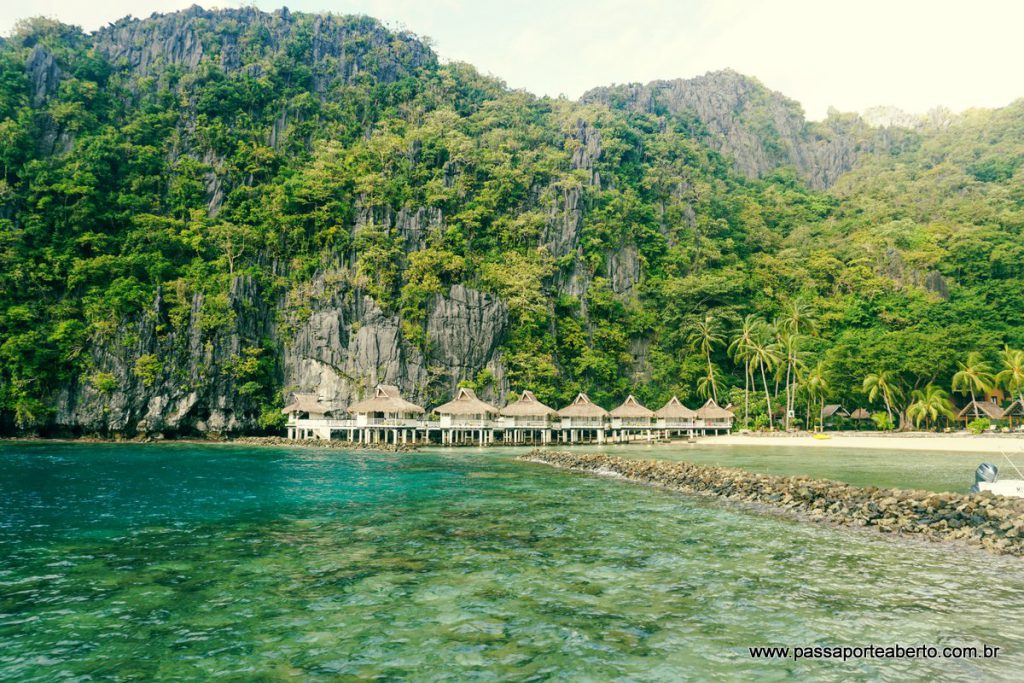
119 183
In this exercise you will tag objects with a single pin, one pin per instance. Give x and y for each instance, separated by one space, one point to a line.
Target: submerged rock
985 520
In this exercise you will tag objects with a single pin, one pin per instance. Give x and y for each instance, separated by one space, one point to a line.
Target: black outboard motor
986 472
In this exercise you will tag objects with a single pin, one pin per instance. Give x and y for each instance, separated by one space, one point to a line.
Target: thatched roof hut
674 409
466 403
713 411
632 408
834 410
305 403
860 414
527 406
582 406
386 399
1015 409
981 409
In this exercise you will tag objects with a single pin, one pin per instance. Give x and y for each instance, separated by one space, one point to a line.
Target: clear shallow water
177 562
928 470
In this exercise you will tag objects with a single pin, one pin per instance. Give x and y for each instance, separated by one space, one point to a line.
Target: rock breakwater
992 522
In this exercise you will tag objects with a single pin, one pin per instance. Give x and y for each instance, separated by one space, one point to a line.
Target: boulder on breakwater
995 523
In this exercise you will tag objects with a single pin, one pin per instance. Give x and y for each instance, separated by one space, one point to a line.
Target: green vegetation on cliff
173 190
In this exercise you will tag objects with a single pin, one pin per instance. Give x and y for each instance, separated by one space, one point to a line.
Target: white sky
851 54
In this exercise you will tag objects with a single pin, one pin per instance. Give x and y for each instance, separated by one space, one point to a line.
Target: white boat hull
1004 487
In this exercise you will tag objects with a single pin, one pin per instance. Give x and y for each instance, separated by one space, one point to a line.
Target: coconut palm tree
928 405
798 317
816 385
882 383
789 345
741 351
1011 376
765 356
705 336
974 375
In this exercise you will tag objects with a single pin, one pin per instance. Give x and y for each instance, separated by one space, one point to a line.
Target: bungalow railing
585 422
366 421
313 422
619 422
480 423
534 422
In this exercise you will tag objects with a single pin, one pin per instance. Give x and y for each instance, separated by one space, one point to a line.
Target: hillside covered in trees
202 212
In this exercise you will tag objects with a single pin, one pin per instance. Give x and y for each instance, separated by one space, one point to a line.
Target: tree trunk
767 398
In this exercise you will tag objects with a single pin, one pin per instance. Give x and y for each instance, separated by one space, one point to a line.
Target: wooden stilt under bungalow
631 421
466 419
527 420
582 421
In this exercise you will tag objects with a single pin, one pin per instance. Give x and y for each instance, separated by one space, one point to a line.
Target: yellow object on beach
822 436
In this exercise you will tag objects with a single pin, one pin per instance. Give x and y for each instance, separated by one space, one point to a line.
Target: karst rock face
759 129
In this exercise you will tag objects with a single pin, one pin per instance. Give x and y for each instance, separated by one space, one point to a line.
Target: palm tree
799 317
705 385
974 375
929 404
882 384
1012 374
704 337
740 350
816 385
765 355
789 343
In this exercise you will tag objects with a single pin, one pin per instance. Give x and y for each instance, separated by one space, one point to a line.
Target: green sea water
184 562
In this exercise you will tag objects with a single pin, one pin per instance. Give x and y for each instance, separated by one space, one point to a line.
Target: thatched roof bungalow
582 412
675 414
834 411
978 409
527 412
1014 411
386 406
465 406
860 414
307 405
631 413
715 415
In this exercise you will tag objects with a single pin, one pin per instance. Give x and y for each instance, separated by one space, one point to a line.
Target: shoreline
993 523
257 441
909 441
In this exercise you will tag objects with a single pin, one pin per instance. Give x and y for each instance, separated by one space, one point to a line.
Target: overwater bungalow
527 420
466 419
385 417
675 419
975 410
714 418
631 419
582 420
304 412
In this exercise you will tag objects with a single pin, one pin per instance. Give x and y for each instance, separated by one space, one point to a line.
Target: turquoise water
928 470
182 562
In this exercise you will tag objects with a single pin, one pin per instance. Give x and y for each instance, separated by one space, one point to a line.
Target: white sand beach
919 441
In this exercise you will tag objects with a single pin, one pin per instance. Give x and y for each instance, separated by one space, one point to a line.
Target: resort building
466 419
713 418
675 419
860 416
385 417
1014 411
582 421
981 409
630 420
527 420
833 414
306 416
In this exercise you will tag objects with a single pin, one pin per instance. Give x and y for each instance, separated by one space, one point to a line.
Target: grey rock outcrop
345 344
43 73
759 129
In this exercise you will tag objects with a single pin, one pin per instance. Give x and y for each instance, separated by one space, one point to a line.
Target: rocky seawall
992 522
